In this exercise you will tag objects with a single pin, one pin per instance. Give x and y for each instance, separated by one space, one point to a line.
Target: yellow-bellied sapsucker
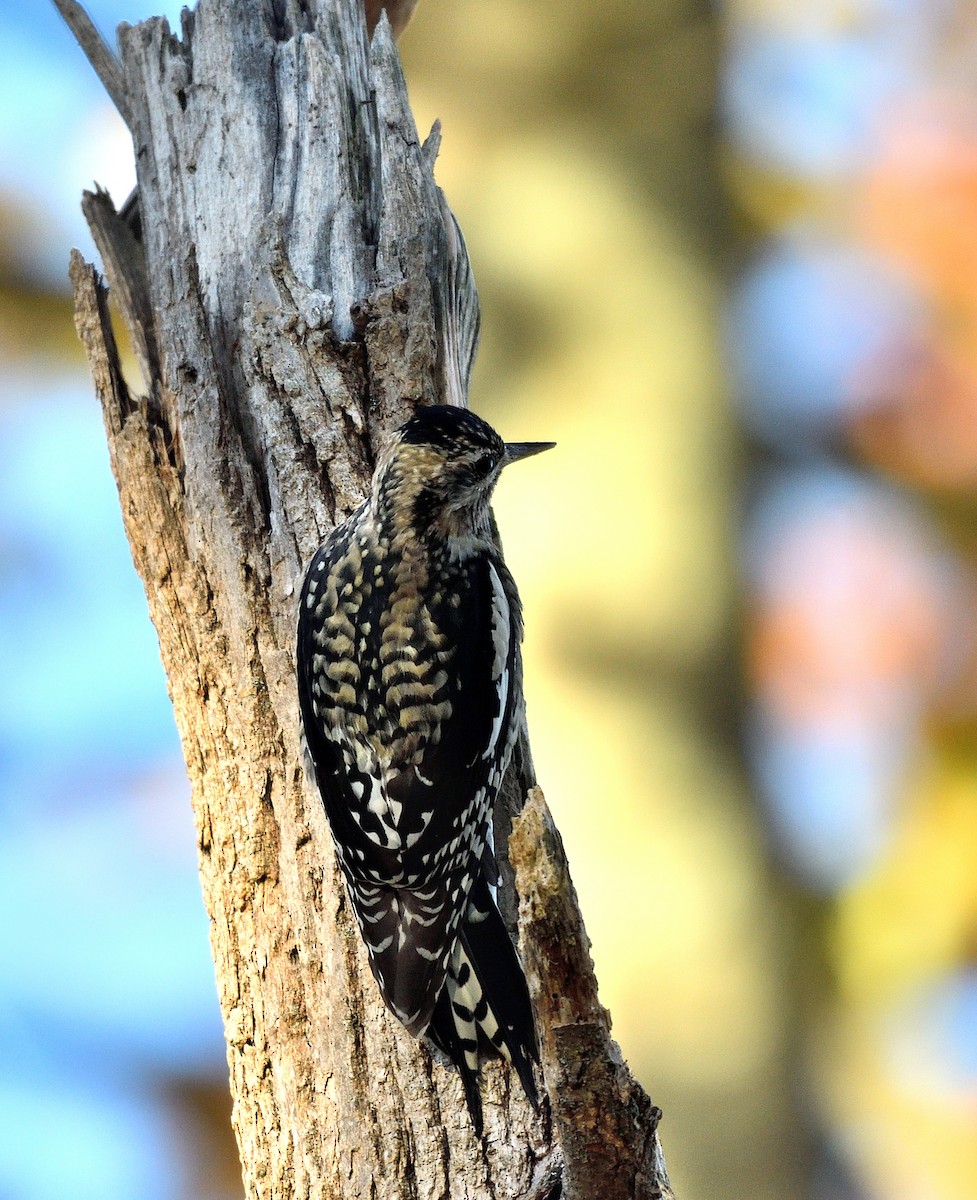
410 689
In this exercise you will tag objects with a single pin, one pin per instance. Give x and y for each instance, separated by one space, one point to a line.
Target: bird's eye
485 463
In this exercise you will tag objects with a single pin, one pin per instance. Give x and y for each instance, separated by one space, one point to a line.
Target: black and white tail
484 1004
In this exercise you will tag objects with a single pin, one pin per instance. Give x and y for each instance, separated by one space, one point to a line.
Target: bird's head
439 470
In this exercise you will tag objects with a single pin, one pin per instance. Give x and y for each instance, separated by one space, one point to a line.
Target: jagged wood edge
104 63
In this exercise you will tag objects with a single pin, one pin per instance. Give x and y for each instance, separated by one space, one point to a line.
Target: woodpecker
410 690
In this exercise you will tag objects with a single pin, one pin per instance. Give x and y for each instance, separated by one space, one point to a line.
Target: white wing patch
501 632
490 841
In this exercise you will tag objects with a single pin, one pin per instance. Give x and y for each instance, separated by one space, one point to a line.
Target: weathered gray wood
299 287
104 63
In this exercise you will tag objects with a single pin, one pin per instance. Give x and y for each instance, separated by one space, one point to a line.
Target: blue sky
58 131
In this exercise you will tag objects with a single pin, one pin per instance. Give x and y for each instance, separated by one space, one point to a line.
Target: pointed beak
516 450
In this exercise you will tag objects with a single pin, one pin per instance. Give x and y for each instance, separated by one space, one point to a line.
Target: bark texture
293 287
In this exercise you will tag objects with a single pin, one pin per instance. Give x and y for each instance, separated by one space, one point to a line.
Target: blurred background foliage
727 260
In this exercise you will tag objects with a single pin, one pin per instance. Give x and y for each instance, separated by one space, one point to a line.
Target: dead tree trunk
294 285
